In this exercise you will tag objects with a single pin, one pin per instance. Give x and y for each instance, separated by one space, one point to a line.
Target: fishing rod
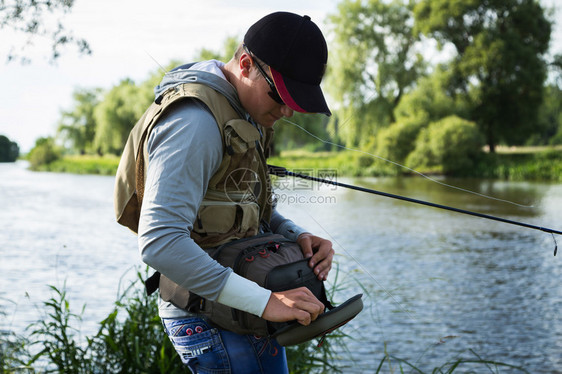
283 172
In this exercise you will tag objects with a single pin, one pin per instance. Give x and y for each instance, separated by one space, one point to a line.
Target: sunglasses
272 90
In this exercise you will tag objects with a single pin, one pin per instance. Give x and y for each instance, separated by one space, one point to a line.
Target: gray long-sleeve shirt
184 151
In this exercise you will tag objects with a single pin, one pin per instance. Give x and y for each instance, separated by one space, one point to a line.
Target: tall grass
103 165
472 364
543 165
131 340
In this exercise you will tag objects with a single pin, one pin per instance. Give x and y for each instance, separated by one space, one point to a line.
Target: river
437 285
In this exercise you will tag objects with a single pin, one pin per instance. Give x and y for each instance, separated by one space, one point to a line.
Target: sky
126 38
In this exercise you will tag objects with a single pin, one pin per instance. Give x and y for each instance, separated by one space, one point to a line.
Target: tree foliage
397 141
225 54
291 137
117 113
9 150
500 47
44 152
373 62
550 118
428 102
77 127
38 20
449 145
384 99
432 99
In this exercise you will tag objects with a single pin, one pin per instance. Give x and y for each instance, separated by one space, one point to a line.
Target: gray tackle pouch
273 262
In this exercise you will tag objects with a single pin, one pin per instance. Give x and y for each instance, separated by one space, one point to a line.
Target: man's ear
245 64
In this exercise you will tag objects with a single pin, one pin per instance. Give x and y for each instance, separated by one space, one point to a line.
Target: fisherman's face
259 104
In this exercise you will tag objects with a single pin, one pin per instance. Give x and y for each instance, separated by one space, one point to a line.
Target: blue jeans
205 349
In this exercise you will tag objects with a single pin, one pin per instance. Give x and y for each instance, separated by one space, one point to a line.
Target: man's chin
268 123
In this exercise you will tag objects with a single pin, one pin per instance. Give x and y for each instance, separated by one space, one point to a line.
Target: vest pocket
218 217
250 218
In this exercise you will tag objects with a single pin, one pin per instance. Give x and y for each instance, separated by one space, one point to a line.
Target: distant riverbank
438 287
514 163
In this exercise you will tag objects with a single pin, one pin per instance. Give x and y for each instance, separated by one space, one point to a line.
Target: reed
472 364
131 340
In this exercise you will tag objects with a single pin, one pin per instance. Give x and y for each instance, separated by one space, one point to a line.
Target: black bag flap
295 333
296 274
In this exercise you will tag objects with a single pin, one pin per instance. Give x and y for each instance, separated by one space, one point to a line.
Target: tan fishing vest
239 193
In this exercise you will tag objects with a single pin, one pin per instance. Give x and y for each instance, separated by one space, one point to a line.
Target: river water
437 285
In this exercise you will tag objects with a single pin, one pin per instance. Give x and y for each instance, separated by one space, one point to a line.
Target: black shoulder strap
152 283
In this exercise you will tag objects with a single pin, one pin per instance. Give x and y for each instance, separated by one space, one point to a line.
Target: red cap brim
301 97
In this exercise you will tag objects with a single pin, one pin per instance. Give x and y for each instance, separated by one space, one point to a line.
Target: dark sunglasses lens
275 96
273 91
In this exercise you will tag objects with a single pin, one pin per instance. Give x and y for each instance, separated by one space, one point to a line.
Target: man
209 122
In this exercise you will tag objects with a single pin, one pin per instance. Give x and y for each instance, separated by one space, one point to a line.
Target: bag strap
324 298
152 283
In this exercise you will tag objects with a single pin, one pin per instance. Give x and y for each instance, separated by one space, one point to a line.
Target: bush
397 141
87 164
545 165
9 150
451 145
44 152
556 139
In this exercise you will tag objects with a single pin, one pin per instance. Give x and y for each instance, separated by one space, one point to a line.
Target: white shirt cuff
244 294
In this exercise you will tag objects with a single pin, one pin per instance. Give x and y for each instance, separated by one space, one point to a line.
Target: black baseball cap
296 52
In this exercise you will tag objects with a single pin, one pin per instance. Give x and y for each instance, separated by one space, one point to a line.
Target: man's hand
296 304
319 251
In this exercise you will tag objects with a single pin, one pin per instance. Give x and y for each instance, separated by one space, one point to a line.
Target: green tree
428 102
549 123
373 62
38 19
44 152
290 137
117 113
120 109
77 127
432 99
9 150
500 60
225 54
